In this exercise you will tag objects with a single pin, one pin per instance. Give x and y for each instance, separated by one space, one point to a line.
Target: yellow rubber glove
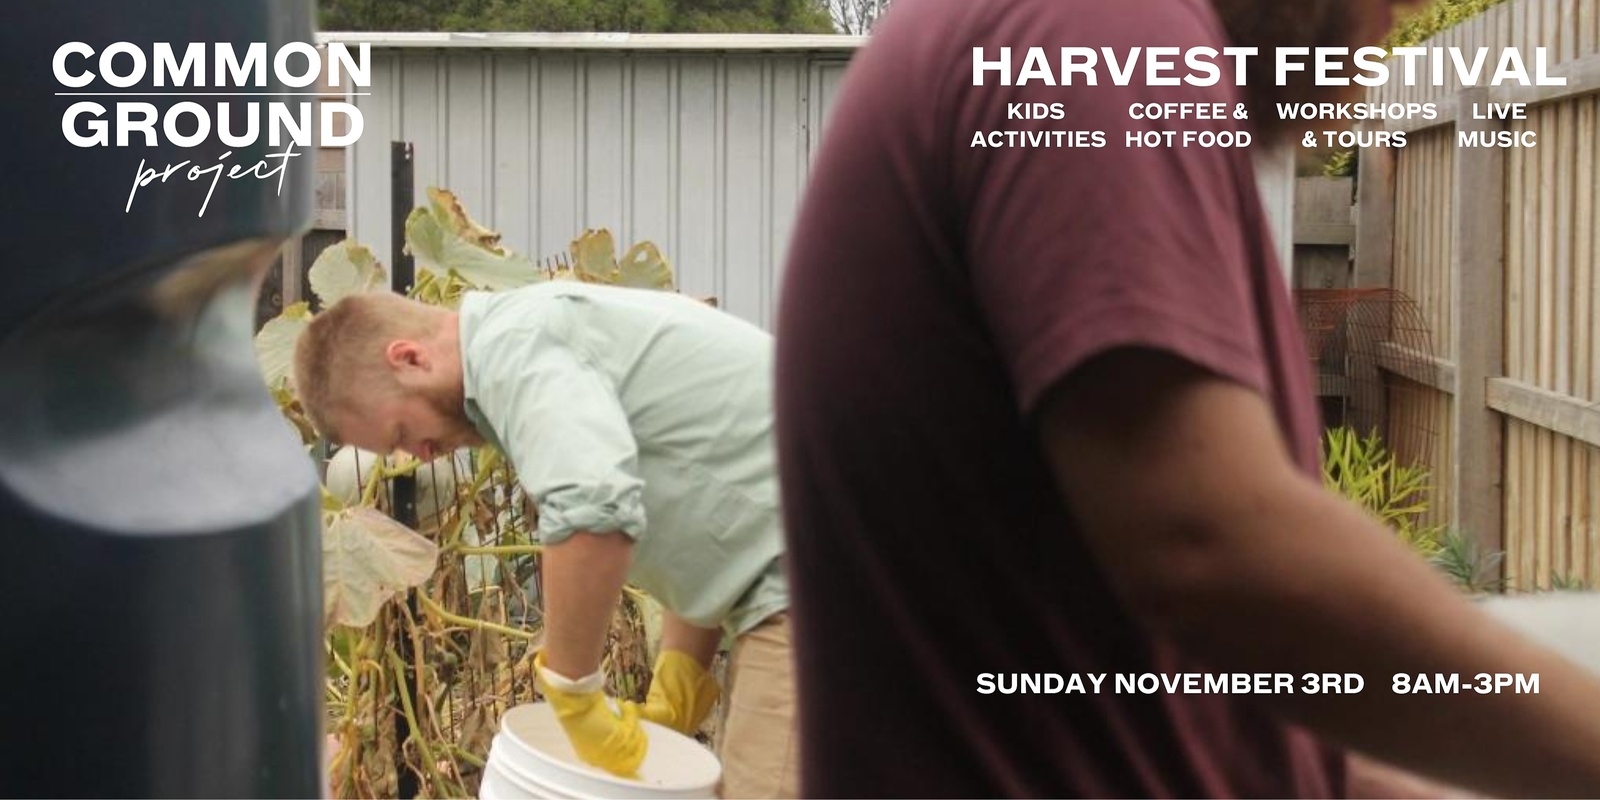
681 693
605 738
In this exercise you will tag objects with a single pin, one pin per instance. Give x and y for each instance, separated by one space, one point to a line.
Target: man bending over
640 424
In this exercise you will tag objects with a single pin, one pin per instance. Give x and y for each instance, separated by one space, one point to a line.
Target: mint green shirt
644 412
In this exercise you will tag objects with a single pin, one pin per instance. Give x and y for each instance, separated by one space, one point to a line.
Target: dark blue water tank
160 575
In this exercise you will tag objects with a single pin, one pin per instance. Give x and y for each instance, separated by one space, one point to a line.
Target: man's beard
450 403
1270 24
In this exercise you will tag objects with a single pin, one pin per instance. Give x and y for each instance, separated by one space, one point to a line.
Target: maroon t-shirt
935 290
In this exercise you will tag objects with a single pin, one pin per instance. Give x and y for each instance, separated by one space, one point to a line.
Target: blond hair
339 360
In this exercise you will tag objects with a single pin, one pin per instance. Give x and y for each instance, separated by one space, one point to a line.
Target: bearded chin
1269 24
450 403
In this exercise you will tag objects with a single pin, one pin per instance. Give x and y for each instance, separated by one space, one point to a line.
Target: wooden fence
1323 233
1498 248
286 283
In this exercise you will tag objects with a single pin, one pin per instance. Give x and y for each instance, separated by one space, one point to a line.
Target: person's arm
1211 535
1368 779
563 426
583 578
692 640
682 690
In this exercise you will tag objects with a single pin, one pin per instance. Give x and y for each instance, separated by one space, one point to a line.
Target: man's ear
404 354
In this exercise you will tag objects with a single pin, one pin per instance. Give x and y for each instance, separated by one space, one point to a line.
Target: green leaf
1471 568
367 558
444 239
1365 472
344 269
275 343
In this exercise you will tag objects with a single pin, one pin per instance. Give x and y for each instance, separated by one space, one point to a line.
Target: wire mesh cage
1373 356
460 647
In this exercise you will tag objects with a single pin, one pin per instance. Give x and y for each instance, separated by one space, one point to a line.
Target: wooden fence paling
1376 188
1375 210
293 267
1324 234
1478 280
1511 287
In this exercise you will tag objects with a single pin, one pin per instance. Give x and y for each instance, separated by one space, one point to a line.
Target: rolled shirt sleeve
559 421
609 401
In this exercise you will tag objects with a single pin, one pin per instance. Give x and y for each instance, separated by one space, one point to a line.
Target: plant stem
411 717
417 651
467 756
456 619
500 550
343 667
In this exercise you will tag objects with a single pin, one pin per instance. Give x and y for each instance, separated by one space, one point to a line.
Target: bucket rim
590 772
512 772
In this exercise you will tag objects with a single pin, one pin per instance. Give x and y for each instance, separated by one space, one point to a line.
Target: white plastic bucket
531 758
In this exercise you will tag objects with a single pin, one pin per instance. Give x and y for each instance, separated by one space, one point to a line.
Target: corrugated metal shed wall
703 153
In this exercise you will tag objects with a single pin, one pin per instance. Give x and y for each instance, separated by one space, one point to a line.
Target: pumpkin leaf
345 269
643 267
444 240
275 344
594 256
368 558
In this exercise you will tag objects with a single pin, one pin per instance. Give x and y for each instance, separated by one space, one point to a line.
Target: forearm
583 579
1306 583
699 643
1368 779
1194 507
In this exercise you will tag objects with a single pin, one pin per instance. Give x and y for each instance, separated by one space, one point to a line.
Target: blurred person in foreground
1048 410
640 425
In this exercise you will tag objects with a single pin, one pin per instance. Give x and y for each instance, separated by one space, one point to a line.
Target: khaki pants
759 741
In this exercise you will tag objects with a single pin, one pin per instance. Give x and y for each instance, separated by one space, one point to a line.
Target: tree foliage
1437 16
856 16
1410 31
632 16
